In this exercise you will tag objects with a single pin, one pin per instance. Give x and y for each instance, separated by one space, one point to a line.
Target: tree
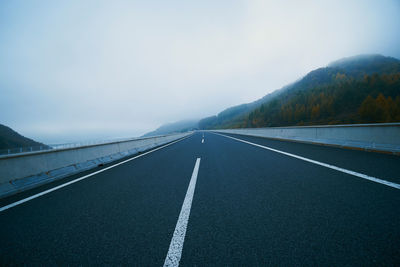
315 112
367 109
382 109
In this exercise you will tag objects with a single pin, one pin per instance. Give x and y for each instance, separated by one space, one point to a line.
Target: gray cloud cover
82 70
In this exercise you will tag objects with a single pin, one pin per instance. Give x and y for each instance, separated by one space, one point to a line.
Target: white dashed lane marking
176 246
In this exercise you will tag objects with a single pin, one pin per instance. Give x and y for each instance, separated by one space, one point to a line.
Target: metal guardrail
18 150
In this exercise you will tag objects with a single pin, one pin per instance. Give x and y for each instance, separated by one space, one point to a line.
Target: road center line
333 167
83 177
176 246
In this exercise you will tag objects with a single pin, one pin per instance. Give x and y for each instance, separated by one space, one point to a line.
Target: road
242 205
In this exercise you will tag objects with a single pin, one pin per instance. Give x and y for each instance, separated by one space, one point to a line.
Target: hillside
234 115
11 139
360 89
180 126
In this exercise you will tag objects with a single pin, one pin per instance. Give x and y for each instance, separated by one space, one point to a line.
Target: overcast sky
82 70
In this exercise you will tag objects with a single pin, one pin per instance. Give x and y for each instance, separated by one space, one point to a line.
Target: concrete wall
23 171
382 137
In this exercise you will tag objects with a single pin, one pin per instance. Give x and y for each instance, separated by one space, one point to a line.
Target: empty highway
212 199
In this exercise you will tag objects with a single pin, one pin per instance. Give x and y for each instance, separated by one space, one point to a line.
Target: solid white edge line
175 248
84 177
333 167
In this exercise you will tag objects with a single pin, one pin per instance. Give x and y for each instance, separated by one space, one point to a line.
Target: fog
86 70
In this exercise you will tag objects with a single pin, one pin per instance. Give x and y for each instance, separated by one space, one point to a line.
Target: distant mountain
359 89
11 139
230 117
364 88
175 127
360 65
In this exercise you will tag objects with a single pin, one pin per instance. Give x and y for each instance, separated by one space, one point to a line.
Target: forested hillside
375 98
233 116
361 89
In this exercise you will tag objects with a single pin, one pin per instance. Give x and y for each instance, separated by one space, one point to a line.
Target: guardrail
379 137
26 149
17 150
19 172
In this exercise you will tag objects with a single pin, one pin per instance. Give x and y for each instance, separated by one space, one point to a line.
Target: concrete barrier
381 137
20 172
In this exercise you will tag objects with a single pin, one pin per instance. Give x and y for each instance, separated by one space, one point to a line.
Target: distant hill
360 89
360 65
230 117
175 127
11 139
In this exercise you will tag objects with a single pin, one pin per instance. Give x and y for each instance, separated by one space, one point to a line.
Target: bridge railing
17 150
27 149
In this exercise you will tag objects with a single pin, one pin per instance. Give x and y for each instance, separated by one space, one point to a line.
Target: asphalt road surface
214 200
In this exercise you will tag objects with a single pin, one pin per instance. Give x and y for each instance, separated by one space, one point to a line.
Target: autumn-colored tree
300 112
381 108
368 109
315 112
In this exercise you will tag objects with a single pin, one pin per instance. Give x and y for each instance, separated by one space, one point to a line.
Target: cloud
110 69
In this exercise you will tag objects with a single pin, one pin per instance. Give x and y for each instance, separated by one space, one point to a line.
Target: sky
88 70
